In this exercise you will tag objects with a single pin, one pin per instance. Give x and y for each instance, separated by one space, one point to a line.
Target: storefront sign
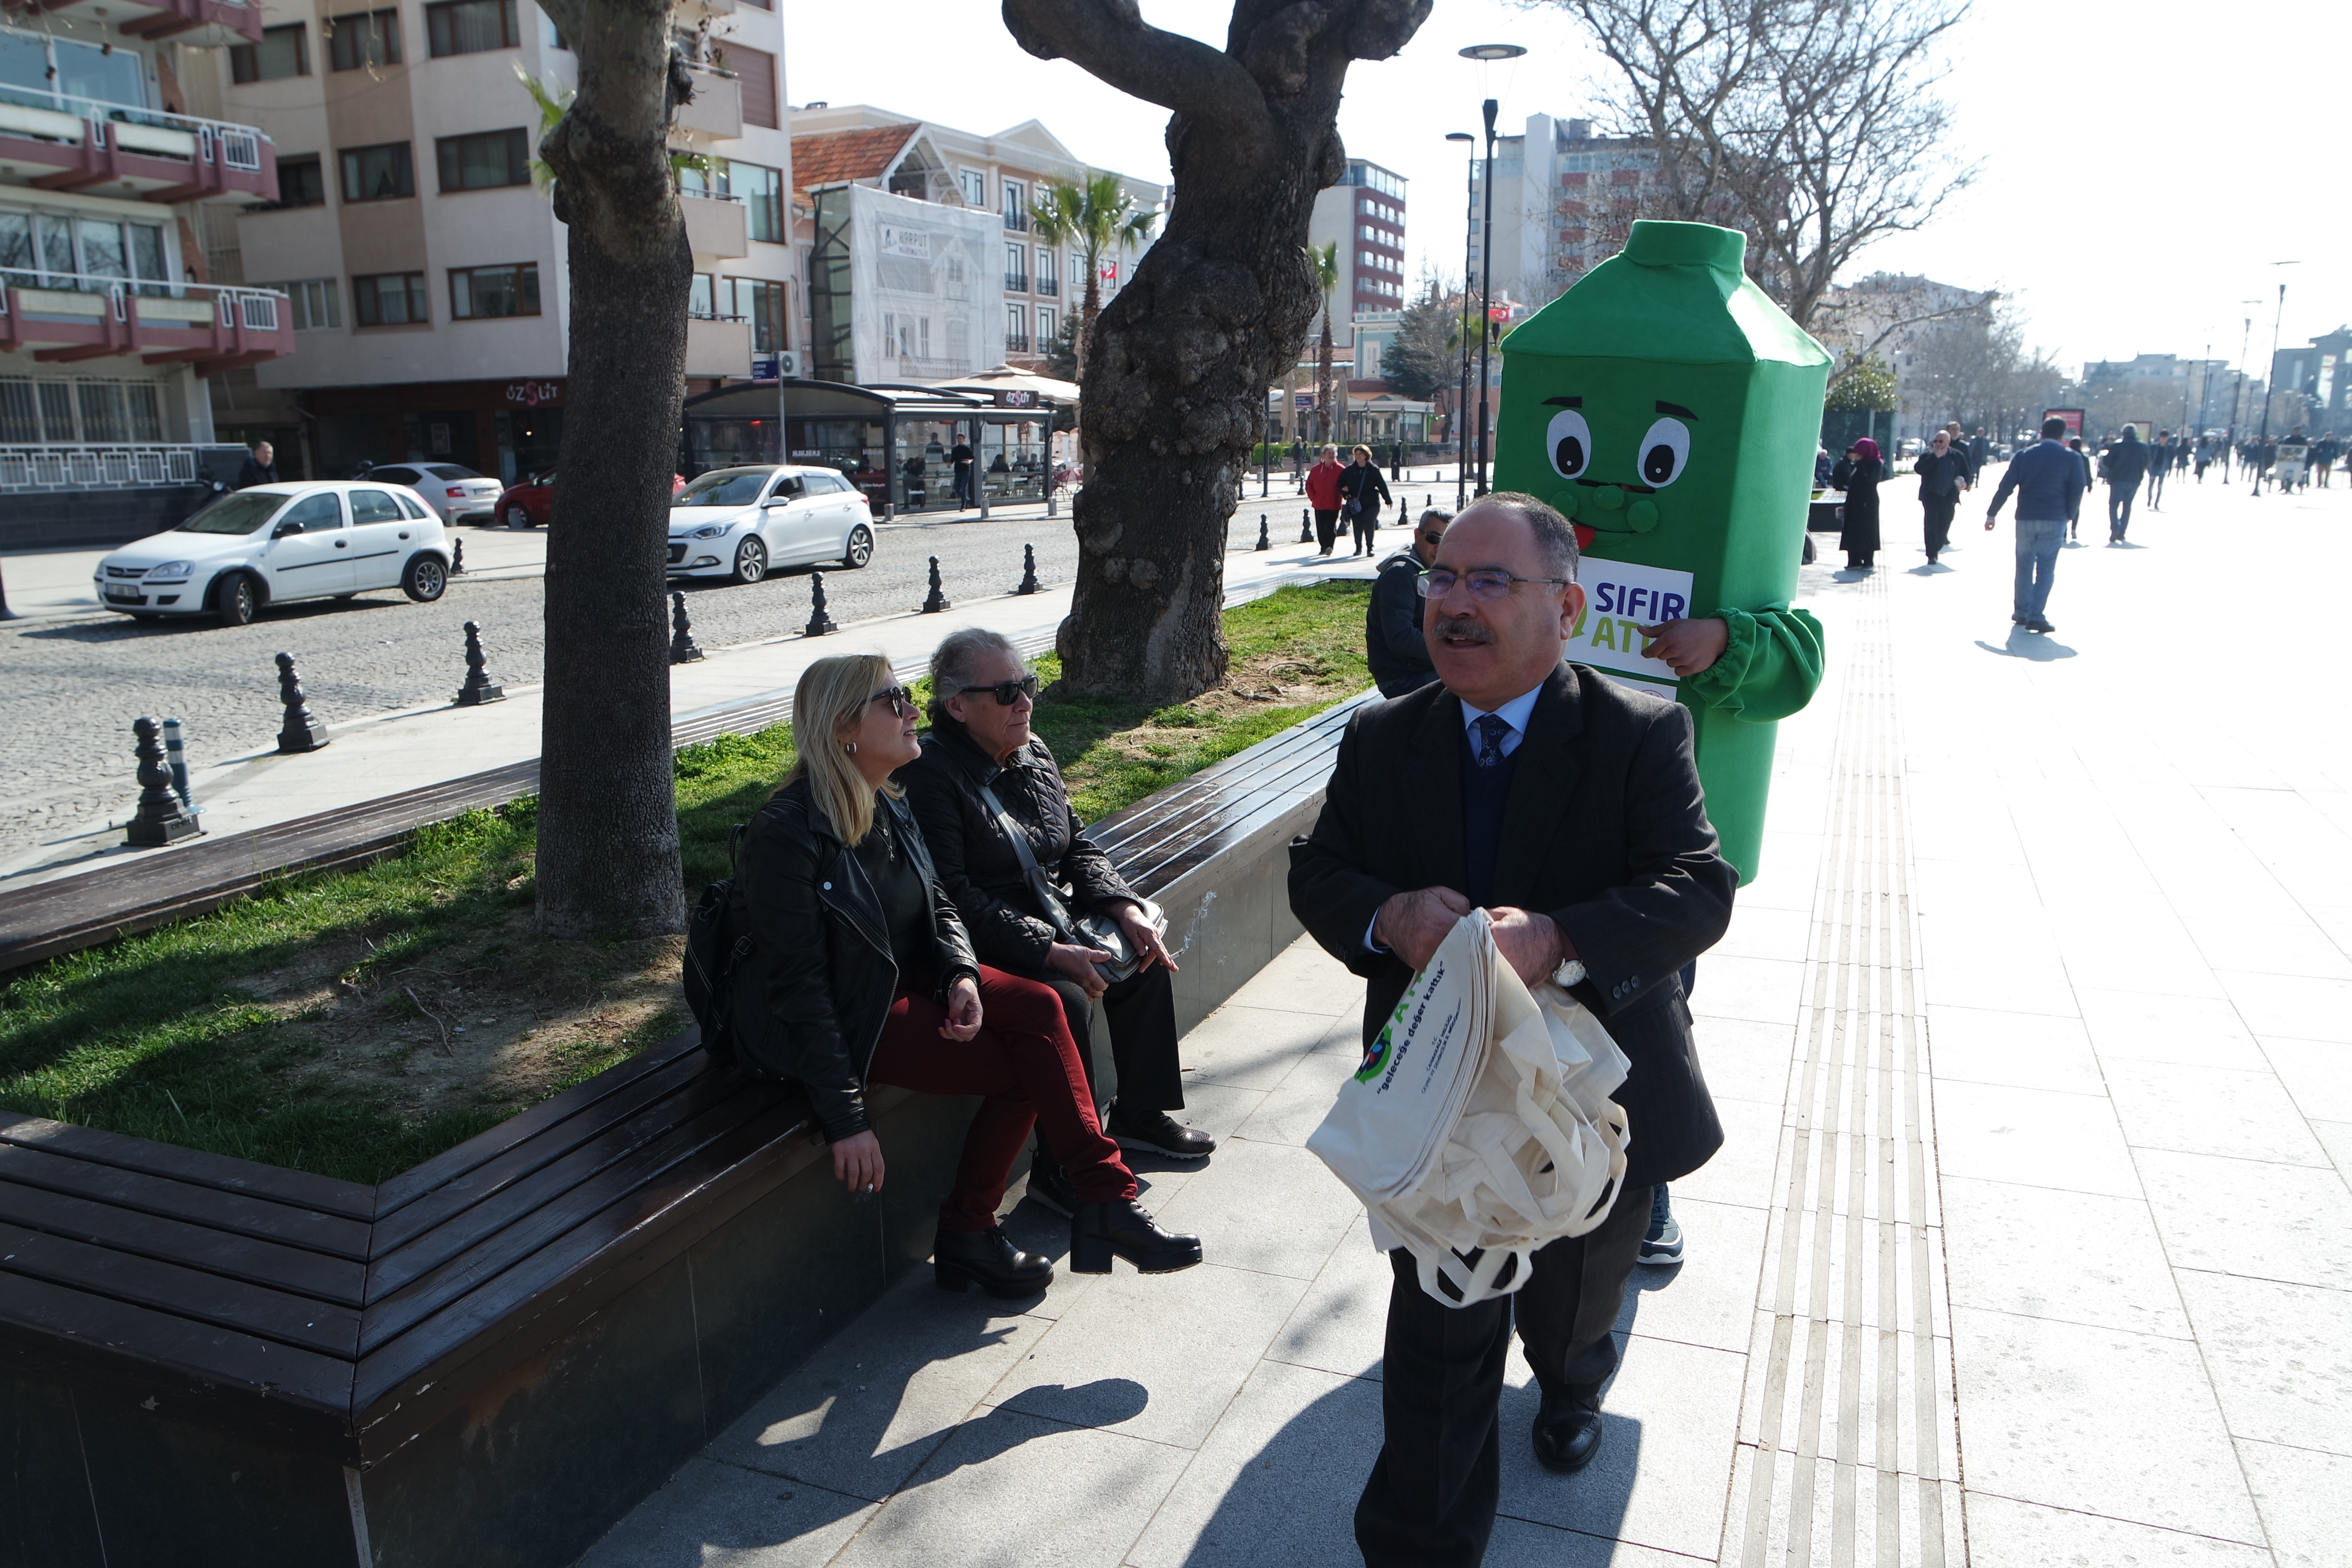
2072 416
1620 599
531 394
1017 397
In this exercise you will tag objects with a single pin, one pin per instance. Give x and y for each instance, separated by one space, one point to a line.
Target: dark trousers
1430 1500
2156 483
1026 1067
1140 1014
2119 502
1939 510
1327 527
1367 524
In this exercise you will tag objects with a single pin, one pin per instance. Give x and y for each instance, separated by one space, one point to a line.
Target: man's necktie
1492 727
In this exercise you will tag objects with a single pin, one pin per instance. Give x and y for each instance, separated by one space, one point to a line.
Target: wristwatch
1570 973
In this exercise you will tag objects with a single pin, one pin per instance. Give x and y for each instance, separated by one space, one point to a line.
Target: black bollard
457 557
478 687
301 731
682 650
1029 584
1306 525
936 601
819 622
1263 542
161 819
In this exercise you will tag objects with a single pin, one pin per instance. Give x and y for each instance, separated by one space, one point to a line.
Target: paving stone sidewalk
2030 1243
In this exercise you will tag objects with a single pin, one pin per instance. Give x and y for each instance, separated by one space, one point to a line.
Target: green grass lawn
283 1027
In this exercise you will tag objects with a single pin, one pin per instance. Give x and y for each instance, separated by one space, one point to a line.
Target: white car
275 542
457 493
742 523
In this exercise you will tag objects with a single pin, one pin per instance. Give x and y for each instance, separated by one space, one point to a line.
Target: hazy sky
2139 177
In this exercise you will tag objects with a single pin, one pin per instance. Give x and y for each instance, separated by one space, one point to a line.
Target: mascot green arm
1771 667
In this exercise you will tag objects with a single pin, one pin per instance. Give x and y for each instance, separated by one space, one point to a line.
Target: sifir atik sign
1621 598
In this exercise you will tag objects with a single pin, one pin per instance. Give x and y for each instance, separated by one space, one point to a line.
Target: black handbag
1098 931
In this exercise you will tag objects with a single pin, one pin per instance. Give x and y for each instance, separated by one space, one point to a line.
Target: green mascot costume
1671 411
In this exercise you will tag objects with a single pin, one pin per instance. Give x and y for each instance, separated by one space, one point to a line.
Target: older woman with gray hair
983 777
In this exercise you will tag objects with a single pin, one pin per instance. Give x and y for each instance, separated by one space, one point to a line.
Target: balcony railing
1016 342
92 467
82 294
1018 222
70 317
1048 288
1016 283
44 116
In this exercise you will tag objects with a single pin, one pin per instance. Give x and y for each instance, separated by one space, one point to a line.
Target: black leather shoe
1567 1433
1157 1133
961 1260
1049 1184
1100 1231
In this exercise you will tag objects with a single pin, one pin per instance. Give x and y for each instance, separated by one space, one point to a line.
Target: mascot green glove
1671 410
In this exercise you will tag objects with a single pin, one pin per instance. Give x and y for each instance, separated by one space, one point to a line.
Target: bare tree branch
1109 39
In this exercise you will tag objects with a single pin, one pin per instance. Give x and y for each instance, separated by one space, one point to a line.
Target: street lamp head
1460 136
1492 52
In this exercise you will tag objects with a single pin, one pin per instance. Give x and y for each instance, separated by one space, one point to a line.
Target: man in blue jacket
2048 479
2127 466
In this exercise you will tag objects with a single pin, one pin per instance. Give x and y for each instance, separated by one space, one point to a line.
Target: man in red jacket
1323 495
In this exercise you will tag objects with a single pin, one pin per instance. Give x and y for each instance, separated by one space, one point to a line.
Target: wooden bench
487 1359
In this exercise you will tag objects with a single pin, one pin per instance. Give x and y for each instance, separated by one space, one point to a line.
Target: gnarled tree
608 856
1175 379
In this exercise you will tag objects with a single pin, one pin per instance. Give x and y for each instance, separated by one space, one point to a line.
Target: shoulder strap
1048 896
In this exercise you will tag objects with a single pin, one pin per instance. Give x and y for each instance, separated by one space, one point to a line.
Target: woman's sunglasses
901 700
1008 692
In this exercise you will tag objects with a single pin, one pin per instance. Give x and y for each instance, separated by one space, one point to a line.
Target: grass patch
354 1023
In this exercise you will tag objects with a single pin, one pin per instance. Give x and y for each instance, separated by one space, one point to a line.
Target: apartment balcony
1048 288
717 110
1016 342
62 143
715 225
718 345
64 318
202 22
1017 222
1016 283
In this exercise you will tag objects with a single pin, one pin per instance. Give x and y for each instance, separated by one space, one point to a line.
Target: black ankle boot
961 1260
1099 1231
1567 1431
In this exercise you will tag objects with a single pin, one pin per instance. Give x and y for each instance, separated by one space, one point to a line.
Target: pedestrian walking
1575 795
2204 457
2074 512
1979 454
1323 495
1858 477
960 457
1362 493
2127 466
1943 471
259 467
2048 481
2324 453
2159 464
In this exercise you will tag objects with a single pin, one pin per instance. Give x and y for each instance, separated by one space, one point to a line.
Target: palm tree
1096 216
1327 278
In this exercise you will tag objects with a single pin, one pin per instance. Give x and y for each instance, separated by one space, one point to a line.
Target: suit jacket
1605 831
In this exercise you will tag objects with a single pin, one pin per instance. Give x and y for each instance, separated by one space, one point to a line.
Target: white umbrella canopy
1005 378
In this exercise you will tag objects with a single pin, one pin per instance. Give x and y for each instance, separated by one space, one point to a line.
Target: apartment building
1564 200
1364 214
424 266
997 178
110 328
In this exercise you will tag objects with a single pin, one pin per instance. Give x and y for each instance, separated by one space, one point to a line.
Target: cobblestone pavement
73 685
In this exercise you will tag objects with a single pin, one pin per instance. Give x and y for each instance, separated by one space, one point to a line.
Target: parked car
741 523
272 543
457 493
530 501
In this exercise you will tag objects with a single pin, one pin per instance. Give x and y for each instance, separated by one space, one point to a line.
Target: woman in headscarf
1858 475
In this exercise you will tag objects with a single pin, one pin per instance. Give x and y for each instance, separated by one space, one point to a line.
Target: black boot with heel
987 1259
1099 1232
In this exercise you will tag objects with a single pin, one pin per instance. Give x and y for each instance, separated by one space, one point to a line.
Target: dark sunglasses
901 700
1008 692
1432 538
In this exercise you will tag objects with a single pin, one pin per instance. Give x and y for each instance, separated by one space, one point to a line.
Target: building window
282 52
1044 328
762 194
470 27
301 183
1046 283
761 303
1016 206
755 70
363 39
389 299
701 298
1016 329
481 162
316 302
480 293
974 186
378 174
1016 269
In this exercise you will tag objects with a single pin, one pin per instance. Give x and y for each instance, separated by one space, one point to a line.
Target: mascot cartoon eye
1665 453
1571 440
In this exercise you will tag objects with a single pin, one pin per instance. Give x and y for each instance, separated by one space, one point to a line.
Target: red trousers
1028 1070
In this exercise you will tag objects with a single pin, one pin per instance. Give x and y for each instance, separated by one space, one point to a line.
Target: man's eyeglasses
1487 582
901 700
1008 692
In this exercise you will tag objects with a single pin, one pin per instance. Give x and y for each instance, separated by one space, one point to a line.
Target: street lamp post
2270 387
1462 393
2238 398
1487 53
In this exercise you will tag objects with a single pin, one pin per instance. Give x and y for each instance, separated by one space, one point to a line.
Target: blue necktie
1492 727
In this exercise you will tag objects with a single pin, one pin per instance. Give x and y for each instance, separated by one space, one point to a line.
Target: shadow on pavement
122 628
2039 646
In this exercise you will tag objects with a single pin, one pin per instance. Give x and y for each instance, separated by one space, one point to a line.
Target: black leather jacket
811 995
977 864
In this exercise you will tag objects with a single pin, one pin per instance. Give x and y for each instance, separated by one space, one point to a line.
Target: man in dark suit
1569 806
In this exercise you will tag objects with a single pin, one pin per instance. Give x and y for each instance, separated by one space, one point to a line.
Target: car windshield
723 487
239 514
450 471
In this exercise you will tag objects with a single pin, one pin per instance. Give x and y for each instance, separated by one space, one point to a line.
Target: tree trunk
1087 312
1323 374
1175 380
608 854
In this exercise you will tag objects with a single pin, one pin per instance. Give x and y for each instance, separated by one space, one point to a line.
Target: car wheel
518 516
750 561
234 600
423 578
860 550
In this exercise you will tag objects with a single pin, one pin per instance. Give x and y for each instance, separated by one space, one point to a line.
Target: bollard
161 819
819 622
936 601
1263 542
175 755
478 687
1306 525
1029 584
457 557
681 641
301 731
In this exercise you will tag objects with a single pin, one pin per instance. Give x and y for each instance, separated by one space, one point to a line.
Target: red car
529 503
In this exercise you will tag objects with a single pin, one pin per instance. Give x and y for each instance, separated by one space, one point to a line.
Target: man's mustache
1464 627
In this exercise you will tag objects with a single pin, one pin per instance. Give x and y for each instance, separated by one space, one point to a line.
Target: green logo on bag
1376 1055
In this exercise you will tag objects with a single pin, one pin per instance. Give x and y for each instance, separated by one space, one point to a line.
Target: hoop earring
849 748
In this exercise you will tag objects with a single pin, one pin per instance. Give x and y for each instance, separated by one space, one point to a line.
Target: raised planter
489 1358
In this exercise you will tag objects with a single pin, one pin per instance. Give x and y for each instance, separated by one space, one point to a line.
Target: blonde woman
861 972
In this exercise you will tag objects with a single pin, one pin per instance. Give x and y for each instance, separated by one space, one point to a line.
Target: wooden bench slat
181 1200
298 1321
198 1167
294 1269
